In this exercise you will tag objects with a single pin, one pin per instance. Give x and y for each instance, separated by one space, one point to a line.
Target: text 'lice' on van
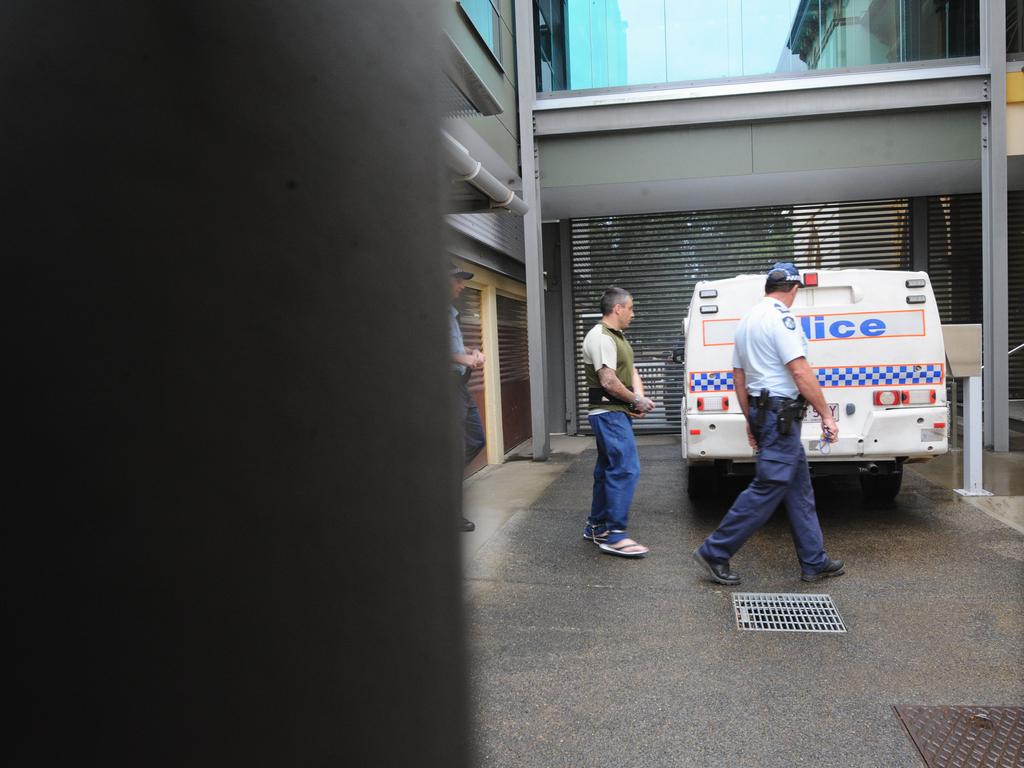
874 342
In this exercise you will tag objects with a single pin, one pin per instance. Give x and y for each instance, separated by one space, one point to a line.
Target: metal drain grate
786 612
966 737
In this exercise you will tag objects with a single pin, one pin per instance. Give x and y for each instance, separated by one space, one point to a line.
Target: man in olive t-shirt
616 396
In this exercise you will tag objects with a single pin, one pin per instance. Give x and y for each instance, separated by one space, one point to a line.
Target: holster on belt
762 407
793 410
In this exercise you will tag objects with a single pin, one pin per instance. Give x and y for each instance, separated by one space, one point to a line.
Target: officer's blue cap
784 270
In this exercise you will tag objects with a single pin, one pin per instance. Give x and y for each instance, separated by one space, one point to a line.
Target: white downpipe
472 171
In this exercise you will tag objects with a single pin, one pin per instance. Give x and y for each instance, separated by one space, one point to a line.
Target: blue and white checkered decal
711 381
852 376
880 375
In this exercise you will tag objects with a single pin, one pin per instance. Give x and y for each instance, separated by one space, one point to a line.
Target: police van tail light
918 396
888 397
713 403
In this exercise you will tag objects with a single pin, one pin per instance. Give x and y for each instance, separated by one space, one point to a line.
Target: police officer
463 362
771 373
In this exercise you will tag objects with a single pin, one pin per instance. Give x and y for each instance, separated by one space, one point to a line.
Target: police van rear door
868 332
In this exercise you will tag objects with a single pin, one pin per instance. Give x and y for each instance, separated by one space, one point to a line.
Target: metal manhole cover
786 612
966 737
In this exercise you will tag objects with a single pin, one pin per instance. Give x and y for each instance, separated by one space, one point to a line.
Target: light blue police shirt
455 342
766 339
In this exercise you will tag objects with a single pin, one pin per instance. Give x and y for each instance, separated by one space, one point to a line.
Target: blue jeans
782 476
469 419
615 474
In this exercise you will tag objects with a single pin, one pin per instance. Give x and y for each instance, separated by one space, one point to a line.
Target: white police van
875 343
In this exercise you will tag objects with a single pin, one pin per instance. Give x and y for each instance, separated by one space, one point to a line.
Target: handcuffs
824 443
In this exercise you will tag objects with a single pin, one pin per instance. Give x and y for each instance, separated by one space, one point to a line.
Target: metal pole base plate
968 492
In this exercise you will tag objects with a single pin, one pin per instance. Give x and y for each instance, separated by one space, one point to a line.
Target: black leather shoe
832 568
467 525
716 572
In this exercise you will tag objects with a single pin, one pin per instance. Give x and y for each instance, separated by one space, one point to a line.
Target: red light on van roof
810 280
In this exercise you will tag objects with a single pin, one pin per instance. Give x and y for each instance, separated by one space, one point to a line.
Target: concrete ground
583 659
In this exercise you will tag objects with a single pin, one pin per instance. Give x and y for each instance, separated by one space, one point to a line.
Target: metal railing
954 410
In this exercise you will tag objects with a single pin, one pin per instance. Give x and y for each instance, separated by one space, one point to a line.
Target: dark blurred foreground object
227 542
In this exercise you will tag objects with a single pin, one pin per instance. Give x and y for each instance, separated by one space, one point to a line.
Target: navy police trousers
782 476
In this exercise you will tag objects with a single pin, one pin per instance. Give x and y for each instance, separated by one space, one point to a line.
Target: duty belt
774 403
788 409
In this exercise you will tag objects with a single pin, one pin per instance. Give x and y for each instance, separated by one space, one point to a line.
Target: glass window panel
647 42
1014 28
579 44
643 22
486 21
699 32
766 29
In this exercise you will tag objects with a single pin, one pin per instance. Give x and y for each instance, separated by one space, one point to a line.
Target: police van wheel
702 482
881 487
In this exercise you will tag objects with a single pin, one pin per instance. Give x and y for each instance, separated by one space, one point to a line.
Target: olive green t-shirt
604 346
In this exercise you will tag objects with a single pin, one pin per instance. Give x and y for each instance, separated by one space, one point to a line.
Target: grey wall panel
785 146
680 153
856 141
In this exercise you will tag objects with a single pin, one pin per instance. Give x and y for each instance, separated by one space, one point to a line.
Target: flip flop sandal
595 533
619 547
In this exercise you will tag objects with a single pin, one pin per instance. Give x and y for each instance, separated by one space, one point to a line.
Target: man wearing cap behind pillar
774 383
464 362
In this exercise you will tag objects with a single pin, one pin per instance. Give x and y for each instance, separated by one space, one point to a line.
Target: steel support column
533 251
994 230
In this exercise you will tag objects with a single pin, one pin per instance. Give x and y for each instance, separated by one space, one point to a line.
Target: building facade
485 221
672 140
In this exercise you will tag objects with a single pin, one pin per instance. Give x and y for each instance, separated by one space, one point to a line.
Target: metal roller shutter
514 364
472 337
660 257
472 334
1015 253
954 264
954 256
